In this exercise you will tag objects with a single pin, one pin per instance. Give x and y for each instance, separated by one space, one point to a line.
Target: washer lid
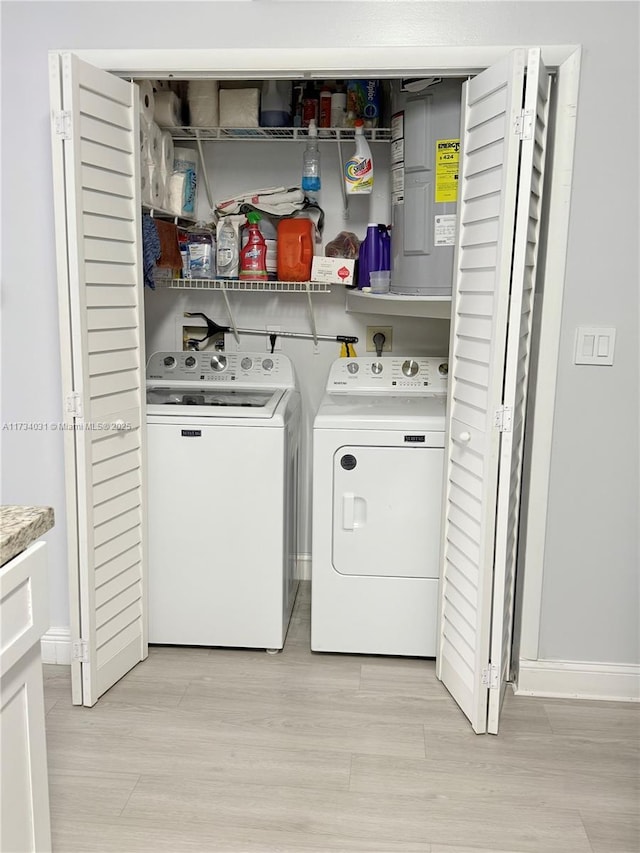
193 400
345 411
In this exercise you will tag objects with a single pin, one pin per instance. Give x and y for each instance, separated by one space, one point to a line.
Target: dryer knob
410 367
218 362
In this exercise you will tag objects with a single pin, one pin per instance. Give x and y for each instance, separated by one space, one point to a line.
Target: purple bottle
370 255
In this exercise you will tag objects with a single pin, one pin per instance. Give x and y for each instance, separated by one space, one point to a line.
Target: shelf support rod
232 319
204 170
345 200
312 316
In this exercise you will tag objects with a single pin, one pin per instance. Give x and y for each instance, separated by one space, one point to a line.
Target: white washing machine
223 449
378 457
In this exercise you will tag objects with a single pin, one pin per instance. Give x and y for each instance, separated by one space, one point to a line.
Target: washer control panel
245 368
390 374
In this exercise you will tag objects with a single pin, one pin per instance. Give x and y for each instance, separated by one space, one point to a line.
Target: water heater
425 151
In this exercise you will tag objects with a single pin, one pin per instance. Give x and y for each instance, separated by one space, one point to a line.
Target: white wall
590 581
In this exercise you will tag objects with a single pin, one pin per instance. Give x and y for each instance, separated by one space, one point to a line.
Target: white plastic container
358 170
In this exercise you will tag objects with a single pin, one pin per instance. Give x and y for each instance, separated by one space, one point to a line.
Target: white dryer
223 450
378 457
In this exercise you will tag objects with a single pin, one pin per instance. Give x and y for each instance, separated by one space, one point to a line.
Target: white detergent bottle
358 170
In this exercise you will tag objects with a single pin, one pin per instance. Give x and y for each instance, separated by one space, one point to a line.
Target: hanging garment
150 249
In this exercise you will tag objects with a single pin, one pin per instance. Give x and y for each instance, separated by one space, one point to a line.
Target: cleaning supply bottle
370 255
227 255
358 171
202 252
274 110
253 258
311 162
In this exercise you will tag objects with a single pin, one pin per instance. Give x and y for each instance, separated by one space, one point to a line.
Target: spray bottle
358 171
253 258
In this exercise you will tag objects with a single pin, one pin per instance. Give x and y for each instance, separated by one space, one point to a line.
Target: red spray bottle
253 257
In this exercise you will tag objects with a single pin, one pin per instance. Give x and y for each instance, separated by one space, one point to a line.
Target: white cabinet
25 824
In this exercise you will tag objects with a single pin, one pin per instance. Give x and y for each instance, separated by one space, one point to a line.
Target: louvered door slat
104 286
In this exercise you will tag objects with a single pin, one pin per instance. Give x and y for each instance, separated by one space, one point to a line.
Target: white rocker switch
594 345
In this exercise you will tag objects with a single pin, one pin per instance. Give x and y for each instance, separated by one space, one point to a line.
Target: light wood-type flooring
232 750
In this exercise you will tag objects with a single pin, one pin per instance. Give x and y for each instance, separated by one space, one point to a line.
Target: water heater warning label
447 163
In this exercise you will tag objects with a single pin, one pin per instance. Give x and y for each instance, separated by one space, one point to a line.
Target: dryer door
387 510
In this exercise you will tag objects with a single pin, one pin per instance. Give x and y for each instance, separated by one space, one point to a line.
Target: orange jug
295 249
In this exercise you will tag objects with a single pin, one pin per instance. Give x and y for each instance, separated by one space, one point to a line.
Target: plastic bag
345 245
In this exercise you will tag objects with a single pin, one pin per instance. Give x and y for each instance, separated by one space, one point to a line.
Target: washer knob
410 367
443 369
190 361
376 368
246 363
169 361
353 367
267 364
218 362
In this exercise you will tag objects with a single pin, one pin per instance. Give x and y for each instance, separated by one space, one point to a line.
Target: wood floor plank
101 794
126 835
613 832
538 752
512 785
596 719
191 754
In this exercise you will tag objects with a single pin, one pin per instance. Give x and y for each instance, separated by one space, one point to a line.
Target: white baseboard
56 646
579 680
303 567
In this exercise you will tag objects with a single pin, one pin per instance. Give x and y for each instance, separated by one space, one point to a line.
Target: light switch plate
595 345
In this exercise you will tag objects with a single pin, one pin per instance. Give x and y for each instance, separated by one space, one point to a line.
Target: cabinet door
499 206
98 233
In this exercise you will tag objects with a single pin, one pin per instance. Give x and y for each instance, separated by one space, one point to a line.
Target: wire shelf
235 285
273 134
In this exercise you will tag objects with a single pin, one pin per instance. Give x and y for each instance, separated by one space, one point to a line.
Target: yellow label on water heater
447 163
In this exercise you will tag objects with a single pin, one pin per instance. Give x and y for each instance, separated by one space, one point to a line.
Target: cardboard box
332 270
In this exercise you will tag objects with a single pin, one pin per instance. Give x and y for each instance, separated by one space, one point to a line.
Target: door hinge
523 125
73 405
503 418
62 123
491 676
80 652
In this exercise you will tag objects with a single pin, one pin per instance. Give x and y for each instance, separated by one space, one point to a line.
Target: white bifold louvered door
499 203
98 234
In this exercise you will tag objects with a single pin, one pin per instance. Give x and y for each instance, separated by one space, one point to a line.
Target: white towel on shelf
278 201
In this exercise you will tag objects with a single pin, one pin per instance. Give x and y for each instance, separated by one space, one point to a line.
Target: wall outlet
387 331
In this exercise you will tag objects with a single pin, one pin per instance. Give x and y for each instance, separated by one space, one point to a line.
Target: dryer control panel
241 368
393 374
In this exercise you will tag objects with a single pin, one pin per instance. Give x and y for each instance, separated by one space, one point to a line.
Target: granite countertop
20 526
